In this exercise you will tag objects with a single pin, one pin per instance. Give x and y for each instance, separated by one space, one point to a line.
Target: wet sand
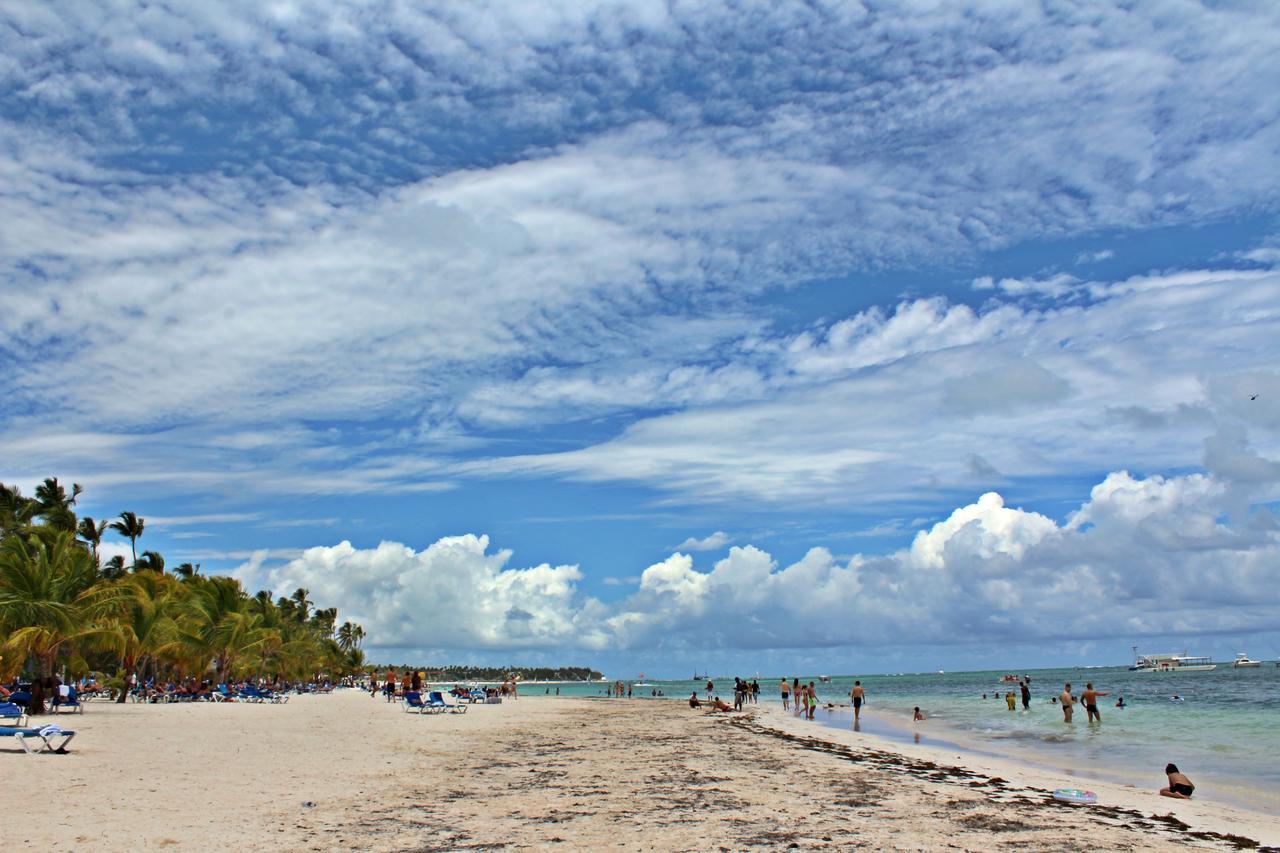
345 771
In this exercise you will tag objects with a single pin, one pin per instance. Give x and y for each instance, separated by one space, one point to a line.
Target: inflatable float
1076 796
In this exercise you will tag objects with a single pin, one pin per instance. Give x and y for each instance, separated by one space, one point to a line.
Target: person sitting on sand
917 717
693 700
1180 786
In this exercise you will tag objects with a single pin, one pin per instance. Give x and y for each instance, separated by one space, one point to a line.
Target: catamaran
1171 663
1242 662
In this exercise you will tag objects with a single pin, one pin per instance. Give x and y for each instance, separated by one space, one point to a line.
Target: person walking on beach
786 695
858 695
755 692
710 689
813 700
1089 699
1067 701
1026 695
797 694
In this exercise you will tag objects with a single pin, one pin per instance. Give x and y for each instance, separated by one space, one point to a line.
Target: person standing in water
1089 699
858 695
1010 701
1067 701
1026 695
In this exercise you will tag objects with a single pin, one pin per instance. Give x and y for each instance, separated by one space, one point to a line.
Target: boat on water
1009 679
825 679
1171 663
1242 662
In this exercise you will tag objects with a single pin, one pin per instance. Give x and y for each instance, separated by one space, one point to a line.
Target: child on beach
918 716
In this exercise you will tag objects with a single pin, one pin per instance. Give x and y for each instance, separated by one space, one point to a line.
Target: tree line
61 607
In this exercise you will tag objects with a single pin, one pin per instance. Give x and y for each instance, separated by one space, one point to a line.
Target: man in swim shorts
1067 701
1025 686
786 695
1180 786
1089 698
857 694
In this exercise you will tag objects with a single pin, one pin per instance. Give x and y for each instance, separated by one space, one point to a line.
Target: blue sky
757 336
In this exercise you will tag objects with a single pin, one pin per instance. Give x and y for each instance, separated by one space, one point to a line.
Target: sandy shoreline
346 771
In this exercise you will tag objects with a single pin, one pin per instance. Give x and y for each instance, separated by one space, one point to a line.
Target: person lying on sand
1180 786
718 704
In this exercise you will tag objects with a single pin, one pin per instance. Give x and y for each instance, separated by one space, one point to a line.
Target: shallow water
1224 735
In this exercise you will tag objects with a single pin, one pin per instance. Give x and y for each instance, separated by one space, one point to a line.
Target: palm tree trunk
36 706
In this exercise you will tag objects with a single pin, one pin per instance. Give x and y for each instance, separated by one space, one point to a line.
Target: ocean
1224 734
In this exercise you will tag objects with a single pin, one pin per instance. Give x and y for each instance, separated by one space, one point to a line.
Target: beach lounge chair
222 694
69 701
249 693
451 702
12 715
413 703
436 703
51 738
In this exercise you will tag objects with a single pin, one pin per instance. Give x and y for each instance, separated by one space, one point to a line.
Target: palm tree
92 531
130 526
113 568
350 636
50 599
302 603
151 561
16 511
186 571
144 628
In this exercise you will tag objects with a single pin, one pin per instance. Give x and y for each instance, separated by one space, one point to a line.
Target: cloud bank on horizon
335 252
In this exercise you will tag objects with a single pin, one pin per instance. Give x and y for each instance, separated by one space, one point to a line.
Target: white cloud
892 407
1142 557
710 542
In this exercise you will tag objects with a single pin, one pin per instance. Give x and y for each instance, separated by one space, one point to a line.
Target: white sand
539 772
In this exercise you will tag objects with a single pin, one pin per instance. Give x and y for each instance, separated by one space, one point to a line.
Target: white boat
1171 663
825 679
1242 662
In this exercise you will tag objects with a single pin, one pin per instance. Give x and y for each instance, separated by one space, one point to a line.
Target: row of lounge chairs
435 703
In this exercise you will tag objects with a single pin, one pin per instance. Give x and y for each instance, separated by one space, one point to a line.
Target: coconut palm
16 511
130 526
151 561
113 568
53 504
92 531
51 599
143 626
186 571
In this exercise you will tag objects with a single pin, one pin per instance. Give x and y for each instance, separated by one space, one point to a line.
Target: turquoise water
1224 735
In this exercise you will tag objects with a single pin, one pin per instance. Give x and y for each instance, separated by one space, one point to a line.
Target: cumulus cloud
1141 557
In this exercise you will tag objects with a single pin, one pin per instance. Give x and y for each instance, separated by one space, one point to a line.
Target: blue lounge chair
413 703
222 694
436 703
71 701
52 738
12 715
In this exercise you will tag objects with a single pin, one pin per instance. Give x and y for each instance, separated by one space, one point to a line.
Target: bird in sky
1253 397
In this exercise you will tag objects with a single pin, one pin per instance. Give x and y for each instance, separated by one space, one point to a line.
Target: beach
346 771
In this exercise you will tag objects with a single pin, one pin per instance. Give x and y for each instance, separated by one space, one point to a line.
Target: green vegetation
499 673
60 606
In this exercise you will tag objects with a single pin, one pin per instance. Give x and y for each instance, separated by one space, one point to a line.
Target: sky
750 337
